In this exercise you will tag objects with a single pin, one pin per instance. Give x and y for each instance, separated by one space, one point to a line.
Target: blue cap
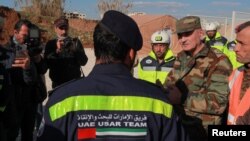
123 27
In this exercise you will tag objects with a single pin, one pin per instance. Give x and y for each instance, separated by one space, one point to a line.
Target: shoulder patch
148 61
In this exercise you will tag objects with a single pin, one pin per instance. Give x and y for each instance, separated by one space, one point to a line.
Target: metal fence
238 18
223 22
227 24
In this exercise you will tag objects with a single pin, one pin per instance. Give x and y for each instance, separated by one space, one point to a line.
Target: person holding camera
3 95
2 71
23 68
64 55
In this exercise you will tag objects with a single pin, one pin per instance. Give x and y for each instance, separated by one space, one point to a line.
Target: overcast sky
176 8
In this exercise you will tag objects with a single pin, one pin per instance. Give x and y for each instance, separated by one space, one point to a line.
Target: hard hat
160 37
210 26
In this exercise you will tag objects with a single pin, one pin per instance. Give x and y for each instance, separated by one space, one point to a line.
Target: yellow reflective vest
151 70
219 42
232 55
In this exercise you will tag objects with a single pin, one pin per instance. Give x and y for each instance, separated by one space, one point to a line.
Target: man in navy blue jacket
109 104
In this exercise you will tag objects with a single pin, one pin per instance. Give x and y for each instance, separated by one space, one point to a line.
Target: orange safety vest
237 107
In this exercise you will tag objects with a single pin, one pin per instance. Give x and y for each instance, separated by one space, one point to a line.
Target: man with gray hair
198 82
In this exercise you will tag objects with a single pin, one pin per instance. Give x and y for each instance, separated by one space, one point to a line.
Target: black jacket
17 80
64 66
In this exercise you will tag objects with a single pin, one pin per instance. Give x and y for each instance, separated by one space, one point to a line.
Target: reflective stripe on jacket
232 55
219 42
237 107
150 70
109 104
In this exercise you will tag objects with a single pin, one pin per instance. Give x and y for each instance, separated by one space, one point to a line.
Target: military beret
123 27
187 24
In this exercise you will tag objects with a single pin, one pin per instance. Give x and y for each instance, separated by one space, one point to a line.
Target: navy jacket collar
111 69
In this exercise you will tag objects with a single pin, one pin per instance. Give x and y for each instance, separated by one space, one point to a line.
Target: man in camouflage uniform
198 83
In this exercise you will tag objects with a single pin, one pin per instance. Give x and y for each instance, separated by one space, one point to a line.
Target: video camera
33 41
69 44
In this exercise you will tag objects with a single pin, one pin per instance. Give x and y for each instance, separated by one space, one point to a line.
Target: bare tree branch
105 5
43 7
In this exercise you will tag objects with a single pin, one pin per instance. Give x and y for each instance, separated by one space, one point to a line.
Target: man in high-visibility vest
156 66
239 81
198 82
214 38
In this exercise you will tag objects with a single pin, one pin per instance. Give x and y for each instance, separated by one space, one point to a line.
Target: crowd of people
174 98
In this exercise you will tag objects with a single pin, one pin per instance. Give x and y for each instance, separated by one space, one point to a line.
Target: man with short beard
239 81
156 66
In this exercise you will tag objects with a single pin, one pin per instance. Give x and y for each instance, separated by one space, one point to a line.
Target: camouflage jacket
206 77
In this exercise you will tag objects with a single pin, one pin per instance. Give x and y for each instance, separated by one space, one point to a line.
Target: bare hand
174 95
23 63
59 44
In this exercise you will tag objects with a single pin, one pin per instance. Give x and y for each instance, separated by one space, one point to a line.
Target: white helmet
211 26
160 37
